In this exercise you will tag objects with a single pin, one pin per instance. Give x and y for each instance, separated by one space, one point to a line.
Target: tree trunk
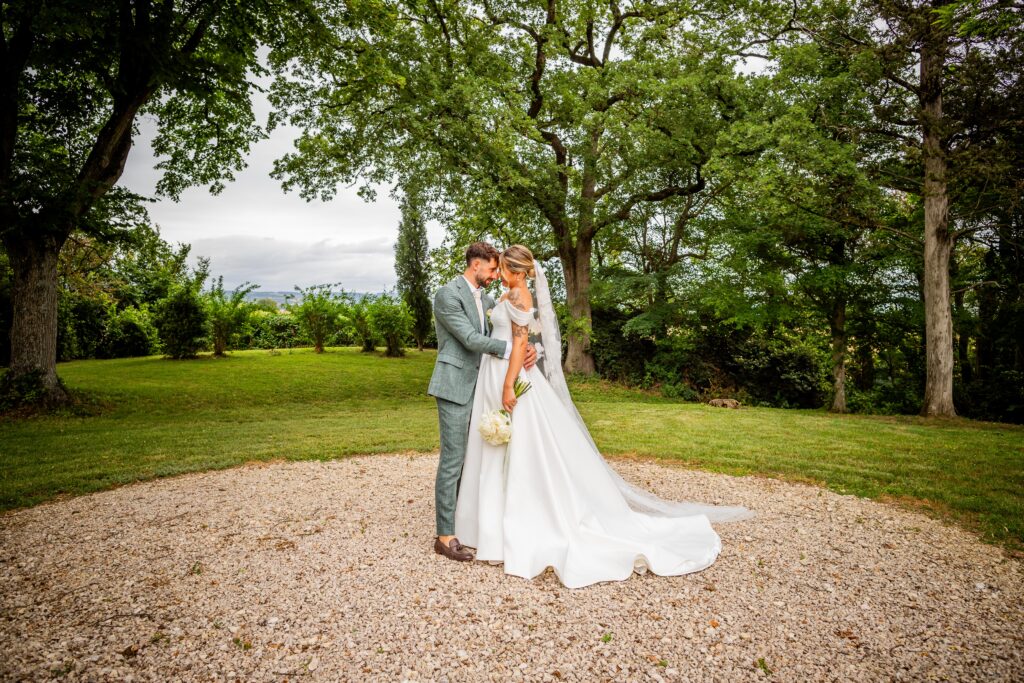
837 327
220 343
34 321
938 243
576 267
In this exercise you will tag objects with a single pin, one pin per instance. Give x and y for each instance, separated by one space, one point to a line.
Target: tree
817 196
182 319
266 304
357 318
920 68
227 313
559 119
412 267
76 77
391 321
318 312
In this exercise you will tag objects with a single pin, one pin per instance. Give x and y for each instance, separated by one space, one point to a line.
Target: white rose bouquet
496 425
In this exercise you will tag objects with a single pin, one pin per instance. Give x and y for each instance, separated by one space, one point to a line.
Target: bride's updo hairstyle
517 259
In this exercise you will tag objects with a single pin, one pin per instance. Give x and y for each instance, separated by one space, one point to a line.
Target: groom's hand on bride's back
531 356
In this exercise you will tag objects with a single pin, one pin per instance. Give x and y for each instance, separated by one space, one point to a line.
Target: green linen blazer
460 342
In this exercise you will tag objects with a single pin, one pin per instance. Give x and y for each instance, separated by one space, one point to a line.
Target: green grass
167 417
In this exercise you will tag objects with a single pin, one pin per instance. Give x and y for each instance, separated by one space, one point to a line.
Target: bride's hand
531 357
508 398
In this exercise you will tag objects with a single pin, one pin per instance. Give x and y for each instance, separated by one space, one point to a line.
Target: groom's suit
462 337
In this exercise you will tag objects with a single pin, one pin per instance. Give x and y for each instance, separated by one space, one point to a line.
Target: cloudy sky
255 231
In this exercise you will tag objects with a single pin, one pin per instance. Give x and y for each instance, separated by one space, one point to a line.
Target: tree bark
837 327
938 243
34 322
576 267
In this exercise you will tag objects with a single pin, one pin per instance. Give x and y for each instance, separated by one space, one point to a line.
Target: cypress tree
412 268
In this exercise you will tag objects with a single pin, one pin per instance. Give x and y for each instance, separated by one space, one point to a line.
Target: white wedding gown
559 504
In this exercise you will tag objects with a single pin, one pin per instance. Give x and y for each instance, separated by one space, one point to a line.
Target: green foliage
412 267
266 330
356 319
77 77
515 130
80 75
99 279
142 268
785 371
616 357
680 391
227 314
998 397
129 332
318 312
265 304
182 320
701 357
82 324
389 319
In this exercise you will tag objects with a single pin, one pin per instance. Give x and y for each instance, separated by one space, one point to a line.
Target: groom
463 329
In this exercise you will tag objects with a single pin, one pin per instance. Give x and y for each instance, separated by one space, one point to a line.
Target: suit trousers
453 420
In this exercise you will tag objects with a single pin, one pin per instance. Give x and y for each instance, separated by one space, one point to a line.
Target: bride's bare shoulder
520 298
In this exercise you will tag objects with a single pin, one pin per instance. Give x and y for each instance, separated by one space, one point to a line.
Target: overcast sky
255 231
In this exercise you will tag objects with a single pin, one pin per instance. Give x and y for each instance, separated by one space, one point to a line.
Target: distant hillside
280 297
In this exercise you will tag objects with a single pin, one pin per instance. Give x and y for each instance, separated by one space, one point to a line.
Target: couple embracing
547 498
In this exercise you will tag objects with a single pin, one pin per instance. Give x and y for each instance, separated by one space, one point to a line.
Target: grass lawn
166 417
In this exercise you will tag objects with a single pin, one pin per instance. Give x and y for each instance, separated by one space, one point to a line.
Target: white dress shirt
477 297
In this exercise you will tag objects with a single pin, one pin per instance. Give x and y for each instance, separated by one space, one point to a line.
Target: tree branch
626 209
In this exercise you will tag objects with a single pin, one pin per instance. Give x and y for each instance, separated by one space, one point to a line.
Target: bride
549 499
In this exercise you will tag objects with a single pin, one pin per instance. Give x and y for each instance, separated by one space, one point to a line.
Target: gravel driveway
306 571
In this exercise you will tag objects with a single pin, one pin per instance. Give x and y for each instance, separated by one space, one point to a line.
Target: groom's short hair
480 250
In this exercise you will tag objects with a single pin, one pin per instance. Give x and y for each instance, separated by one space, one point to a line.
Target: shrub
1000 396
356 320
785 371
265 330
182 321
679 390
227 314
318 313
129 332
390 320
266 304
81 325
616 357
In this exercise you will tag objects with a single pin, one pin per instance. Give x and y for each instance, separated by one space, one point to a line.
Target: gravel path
324 571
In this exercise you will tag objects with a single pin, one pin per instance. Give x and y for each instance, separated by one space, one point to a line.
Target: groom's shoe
453 551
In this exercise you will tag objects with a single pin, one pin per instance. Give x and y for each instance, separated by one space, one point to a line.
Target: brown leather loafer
453 551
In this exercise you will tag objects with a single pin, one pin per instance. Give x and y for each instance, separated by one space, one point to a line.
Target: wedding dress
549 499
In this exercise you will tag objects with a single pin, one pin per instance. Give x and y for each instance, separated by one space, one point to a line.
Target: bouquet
496 425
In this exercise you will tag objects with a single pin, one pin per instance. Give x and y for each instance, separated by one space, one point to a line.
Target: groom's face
486 272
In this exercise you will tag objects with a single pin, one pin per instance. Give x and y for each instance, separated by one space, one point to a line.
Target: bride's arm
520 337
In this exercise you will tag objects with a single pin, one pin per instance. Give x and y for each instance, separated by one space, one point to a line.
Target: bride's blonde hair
517 259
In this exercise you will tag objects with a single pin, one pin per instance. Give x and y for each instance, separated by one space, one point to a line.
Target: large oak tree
564 117
76 77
